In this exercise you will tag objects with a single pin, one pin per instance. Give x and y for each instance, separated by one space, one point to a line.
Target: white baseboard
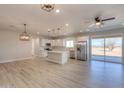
13 60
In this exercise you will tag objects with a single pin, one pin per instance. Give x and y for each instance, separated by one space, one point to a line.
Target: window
70 43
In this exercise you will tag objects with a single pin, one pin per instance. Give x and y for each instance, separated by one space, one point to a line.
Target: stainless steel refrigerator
82 51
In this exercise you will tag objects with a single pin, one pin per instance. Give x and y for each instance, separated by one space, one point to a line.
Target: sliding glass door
113 49
98 49
107 49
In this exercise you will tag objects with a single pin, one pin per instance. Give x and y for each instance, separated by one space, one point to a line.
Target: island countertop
57 51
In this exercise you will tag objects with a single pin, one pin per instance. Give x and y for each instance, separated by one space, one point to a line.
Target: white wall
11 48
35 45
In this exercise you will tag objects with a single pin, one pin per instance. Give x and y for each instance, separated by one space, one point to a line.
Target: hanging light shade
24 36
47 7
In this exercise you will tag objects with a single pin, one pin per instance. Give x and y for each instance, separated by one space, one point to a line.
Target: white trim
13 60
123 48
90 49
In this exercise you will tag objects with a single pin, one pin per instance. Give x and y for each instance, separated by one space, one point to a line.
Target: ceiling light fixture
48 29
67 24
80 30
57 10
47 7
98 23
24 36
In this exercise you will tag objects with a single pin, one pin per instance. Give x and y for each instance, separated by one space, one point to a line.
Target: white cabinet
58 42
44 41
60 57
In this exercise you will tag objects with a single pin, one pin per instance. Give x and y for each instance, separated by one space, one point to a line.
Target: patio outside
112 50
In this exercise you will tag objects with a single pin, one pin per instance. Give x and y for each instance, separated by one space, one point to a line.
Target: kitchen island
60 57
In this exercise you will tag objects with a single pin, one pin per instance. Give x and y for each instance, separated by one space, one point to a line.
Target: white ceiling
78 16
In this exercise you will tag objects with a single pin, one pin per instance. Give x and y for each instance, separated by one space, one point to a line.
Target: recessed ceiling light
37 32
67 24
57 10
80 30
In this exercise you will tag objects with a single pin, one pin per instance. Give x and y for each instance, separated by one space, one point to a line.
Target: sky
100 42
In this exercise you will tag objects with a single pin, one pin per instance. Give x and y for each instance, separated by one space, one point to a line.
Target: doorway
107 49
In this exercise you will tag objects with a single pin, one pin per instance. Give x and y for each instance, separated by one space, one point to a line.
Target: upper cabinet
44 41
58 42
61 42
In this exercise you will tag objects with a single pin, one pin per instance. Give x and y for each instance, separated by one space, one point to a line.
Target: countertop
57 51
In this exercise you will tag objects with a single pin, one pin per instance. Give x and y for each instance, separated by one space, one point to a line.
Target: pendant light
24 36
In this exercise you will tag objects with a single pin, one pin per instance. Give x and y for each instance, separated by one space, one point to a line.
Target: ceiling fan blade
112 18
91 25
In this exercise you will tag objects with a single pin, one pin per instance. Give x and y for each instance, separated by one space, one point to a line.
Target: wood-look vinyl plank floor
38 73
